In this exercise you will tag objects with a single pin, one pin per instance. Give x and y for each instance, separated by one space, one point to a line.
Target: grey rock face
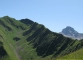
70 32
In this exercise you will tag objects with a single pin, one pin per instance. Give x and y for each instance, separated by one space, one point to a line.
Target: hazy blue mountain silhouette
72 33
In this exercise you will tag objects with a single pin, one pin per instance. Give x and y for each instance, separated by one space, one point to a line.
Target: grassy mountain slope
75 55
8 29
28 40
49 43
3 53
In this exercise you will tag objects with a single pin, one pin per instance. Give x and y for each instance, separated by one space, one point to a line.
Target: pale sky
54 14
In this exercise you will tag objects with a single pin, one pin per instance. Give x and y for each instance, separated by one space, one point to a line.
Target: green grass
77 55
36 42
6 58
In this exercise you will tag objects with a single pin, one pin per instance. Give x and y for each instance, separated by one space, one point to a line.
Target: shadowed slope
27 40
47 42
3 53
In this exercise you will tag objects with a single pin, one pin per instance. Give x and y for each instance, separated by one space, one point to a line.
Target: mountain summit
27 40
72 33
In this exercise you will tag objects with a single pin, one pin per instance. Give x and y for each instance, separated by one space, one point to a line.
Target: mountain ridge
28 40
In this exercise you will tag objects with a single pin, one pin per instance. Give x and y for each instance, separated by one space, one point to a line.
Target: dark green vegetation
28 40
3 53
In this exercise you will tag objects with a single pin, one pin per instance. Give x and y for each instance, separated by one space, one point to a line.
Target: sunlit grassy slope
77 55
28 40
8 29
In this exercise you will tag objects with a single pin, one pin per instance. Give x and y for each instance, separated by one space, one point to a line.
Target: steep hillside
3 53
9 27
50 43
28 40
75 55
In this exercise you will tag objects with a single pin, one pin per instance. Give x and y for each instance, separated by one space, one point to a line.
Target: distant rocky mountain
72 33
